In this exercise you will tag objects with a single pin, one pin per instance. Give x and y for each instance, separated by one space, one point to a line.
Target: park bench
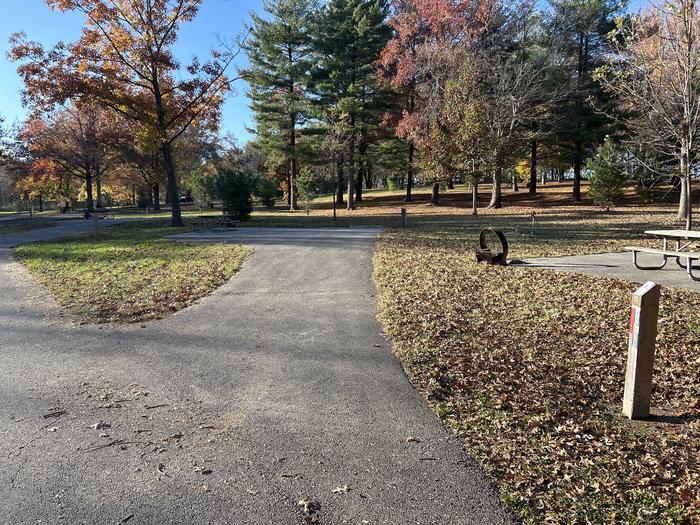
210 223
229 222
104 214
684 239
98 214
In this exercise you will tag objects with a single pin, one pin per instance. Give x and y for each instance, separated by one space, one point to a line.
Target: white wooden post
644 314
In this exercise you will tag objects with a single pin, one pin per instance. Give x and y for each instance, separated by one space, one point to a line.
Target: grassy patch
527 367
20 226
131 273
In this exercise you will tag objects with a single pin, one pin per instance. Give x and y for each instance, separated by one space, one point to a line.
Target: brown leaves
527 366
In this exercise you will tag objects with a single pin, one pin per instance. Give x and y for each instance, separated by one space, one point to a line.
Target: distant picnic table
216 222
683 241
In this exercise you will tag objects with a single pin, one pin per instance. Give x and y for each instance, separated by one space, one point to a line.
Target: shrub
266 191
307 183
235 189
393 183
607 178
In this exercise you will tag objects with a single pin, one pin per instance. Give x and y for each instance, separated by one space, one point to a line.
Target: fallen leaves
527 368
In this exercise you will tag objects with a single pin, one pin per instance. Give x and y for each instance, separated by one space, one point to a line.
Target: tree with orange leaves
124 61
78 140
39 180
476 78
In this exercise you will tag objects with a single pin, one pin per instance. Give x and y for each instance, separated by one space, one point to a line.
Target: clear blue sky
216 17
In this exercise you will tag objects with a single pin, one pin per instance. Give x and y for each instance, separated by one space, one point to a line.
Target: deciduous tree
124 60
655 73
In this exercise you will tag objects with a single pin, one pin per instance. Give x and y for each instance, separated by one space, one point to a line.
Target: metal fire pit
484 253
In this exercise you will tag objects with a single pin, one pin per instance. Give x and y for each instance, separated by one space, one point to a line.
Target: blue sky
216 17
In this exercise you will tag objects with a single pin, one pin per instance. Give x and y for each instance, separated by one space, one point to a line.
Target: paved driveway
277 389
619 266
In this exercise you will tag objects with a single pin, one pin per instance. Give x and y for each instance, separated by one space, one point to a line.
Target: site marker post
644 314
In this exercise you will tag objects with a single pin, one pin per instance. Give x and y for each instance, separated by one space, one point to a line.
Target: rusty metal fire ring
484 253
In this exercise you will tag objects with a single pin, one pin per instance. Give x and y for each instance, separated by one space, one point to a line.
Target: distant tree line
351 94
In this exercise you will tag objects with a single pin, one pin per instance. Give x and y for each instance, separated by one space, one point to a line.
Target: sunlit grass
131 273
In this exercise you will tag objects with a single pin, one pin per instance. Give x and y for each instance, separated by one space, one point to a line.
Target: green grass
131 273
20 226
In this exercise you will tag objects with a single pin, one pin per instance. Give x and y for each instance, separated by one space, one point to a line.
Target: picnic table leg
640 267
689 268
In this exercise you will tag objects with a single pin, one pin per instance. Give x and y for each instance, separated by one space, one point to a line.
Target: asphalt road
278 389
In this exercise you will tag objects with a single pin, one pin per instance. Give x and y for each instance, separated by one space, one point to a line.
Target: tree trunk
496 201
475 197
351 166
41 203
98 189
578 164
88 189
450 185
514 182
172 190
289 189
685 206
560 175
176 215
351 184
369 181
409 174
533 167
435 195
293 204
358 180
156 197
293 194
341 181
689 216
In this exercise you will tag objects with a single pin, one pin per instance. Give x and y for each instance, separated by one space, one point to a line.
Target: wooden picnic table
684 240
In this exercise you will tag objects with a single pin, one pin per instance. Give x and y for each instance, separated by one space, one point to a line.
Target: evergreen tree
583 25
607 177
348 38
279 52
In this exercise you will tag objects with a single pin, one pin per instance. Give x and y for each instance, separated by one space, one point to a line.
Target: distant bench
210 223
103 214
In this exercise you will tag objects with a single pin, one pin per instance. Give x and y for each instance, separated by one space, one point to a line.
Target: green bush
393 183
607 178
307 183
235 189
266 191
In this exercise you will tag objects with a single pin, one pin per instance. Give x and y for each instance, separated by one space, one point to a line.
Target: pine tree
348 38
607 178
584 26
279 52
